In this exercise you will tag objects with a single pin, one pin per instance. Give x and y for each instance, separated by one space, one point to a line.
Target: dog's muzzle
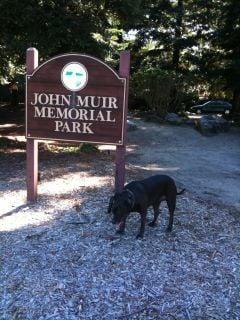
114 221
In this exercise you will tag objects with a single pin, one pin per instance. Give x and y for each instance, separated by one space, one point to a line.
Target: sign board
76 97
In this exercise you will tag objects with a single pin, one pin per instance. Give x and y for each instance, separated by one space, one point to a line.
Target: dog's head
121 205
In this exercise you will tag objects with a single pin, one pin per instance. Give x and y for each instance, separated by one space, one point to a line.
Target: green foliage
226 39
88 148
4 93
160 91
183 46
6 143
83 147
68 148
58 26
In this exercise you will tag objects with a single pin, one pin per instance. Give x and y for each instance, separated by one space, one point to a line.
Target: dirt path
60 258
207 166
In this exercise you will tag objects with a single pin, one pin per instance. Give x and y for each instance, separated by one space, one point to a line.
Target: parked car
213 106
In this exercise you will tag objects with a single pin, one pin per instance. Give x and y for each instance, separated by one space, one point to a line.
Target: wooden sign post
32 144
124 71
75 98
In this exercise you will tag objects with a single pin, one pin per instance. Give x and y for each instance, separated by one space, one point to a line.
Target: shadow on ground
61 258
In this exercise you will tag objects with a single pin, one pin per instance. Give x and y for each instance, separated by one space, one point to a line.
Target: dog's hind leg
171 202
156 214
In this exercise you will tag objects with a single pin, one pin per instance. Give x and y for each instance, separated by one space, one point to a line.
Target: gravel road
209 167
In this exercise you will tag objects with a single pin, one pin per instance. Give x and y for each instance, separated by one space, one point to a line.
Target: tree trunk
236 102
178 34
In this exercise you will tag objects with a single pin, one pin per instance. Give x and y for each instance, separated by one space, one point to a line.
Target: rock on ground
173 118
209 125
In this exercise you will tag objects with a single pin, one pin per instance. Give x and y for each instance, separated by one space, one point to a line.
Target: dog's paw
152 224
169 229
139 236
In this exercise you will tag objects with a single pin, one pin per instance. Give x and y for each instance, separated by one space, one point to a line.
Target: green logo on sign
74 76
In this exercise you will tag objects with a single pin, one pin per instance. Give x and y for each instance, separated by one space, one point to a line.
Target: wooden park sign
75 98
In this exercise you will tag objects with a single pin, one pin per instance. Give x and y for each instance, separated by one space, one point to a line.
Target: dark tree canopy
197 41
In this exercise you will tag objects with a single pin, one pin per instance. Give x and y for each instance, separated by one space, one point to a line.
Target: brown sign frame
47 135
32 142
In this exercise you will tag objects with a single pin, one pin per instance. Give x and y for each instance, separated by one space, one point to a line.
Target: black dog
139 195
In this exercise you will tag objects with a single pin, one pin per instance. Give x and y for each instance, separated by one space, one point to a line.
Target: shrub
160 91
88 148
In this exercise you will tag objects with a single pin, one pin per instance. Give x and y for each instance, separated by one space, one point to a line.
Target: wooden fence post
124 70
32 144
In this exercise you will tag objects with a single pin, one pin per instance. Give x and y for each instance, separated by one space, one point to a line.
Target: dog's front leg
110 204
156 214
143 222
121 227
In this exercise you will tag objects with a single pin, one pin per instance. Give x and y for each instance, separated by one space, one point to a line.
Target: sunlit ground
55 196
154 167
15 138
8 125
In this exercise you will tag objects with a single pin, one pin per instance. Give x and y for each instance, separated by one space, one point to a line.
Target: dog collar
132 197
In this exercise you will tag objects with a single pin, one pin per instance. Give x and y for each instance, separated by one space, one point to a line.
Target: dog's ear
128 202
110 204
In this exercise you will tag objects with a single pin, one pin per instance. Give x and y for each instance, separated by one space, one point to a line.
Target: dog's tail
181 192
